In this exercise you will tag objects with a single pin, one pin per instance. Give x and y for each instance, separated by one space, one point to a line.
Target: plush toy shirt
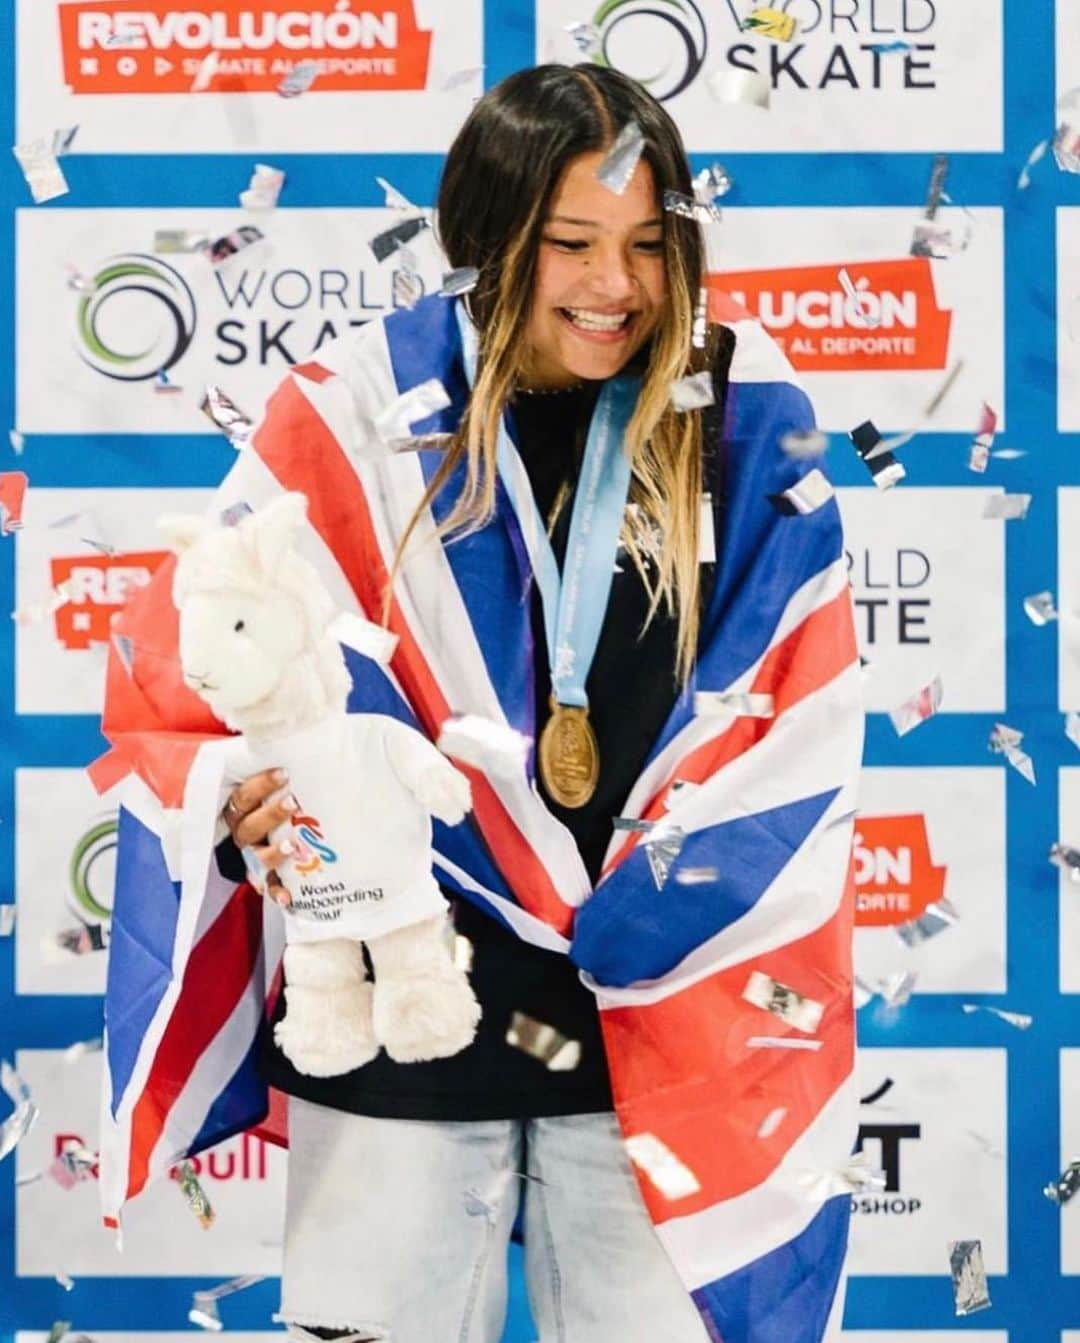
364 862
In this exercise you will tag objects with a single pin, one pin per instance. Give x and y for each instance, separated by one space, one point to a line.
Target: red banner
895 876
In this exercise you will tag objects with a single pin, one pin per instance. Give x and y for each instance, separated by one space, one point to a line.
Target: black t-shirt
632 689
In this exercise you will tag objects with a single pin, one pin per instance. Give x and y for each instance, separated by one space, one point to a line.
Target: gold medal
569 755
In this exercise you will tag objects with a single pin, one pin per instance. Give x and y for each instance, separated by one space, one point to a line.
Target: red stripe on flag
705 1093
302 452
216 977
813 654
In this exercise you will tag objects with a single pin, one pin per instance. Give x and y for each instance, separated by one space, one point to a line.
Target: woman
404 1181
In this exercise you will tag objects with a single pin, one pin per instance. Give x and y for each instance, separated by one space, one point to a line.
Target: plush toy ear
181 530
272 528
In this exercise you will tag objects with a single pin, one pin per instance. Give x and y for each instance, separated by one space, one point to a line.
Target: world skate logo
312 851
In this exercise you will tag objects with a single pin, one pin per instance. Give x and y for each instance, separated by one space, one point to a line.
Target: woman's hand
251 815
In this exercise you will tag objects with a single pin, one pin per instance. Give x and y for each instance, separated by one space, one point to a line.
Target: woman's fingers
262 859
252 793
257 824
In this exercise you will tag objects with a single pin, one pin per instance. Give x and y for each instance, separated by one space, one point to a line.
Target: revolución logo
139 319
663 46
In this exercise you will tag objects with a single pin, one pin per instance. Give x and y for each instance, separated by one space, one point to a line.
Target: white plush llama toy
255 645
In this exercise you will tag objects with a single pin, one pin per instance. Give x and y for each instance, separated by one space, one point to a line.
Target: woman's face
600 276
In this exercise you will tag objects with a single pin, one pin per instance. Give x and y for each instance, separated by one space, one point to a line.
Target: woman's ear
181 530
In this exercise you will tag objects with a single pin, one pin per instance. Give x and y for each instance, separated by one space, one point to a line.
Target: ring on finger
231 811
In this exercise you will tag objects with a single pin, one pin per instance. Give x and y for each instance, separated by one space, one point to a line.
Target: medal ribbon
574 604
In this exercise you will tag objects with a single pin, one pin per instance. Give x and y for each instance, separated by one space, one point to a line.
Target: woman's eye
238 627
568 244
652 247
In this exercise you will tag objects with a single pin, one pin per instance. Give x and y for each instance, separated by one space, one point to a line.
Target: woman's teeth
597 321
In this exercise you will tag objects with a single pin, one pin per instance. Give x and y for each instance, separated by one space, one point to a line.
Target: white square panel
60 657
1068 890
56 1229
783 264
399 75
831 90
922 834
928 574
934 1121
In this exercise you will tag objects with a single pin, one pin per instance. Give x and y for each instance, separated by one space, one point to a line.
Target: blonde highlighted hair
496 189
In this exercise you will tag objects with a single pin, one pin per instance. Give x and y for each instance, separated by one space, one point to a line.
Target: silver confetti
618 164
1024 180
807 495
586 37
800 443
170 240
1067 859
394 199
39 161
392 424
689 208
739 702
468 74
22 1119
711 183
784 1002
896 989
917 708
662 848
971 1291
1039 608
299 79
782 1042
1065 1187
1021 1020
863 301
1006 741
693 392
1008 507
204 75
1066 146
1072 727
751 87
460 281
227 246
696 876
672 1177
237 427
263 189
938 915
544 1043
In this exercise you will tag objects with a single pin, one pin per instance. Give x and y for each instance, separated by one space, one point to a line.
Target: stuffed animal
255 645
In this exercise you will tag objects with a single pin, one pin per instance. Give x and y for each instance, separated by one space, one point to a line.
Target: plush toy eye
238 627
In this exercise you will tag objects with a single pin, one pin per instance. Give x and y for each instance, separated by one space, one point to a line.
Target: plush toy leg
327 1028
424 1007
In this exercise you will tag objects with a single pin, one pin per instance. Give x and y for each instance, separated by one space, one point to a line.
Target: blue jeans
397 1230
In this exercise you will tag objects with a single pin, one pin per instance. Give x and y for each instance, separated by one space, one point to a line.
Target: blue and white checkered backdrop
968 1114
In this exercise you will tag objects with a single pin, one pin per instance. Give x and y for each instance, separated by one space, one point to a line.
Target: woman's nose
613 276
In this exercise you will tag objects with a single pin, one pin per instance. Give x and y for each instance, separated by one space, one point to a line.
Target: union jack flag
700 1074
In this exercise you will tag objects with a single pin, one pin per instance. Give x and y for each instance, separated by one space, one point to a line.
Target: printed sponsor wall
967 1116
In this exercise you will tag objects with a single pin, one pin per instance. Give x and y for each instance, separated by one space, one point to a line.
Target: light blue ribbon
575 602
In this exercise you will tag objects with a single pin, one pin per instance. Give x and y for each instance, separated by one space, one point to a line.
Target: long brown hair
500 175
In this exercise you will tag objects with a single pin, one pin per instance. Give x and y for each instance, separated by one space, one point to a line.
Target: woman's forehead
582 198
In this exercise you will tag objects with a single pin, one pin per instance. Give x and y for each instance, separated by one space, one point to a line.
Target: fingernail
280 776
287 847
290 803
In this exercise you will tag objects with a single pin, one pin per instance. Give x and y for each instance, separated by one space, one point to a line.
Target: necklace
549 391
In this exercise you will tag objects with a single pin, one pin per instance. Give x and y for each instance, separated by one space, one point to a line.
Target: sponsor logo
662 46
895 876
857 44
882 612
99 586
241 1160
143 300
89 896
313 853
892 323
154 46
890 1138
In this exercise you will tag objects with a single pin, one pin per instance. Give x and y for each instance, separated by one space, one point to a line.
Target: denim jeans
397 1230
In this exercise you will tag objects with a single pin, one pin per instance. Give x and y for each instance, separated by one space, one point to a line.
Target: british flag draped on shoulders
742 1119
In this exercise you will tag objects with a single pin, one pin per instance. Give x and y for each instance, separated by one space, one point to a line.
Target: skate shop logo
886 1142
137 321
96 588
837 44
895 875
846 317
663 46
312 851
234 46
